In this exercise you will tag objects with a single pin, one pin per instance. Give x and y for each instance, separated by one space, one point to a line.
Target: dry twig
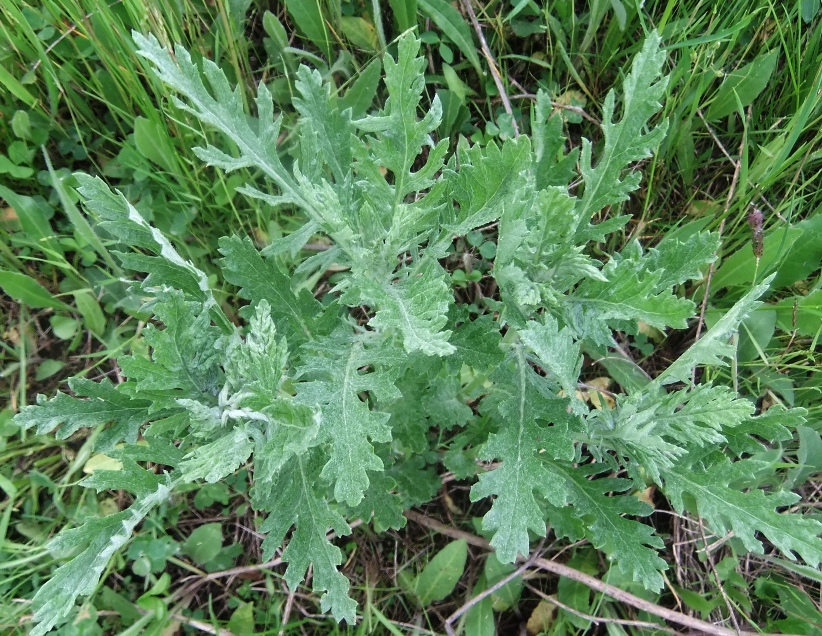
492 65
552 598
728 199
485 593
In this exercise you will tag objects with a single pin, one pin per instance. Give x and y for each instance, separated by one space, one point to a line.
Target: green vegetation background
745 107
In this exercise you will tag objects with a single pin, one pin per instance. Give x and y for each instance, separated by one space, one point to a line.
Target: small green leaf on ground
452 24
7 166
802 313
405 13
439 578
311 20
63 326
738 269
48 368
360 32
204 543
361 94
241 622
89 309
152 143
25 289
741 87
479 620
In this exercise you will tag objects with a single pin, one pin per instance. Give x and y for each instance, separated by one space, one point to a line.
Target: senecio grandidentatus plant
335 413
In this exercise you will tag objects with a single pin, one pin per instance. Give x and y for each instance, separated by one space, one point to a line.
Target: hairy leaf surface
292 501
333 381
726 508
631 544
626 140
99 539
104 404
259 279
523 471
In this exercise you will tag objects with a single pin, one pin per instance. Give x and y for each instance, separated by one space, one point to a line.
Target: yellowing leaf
360 32
541 618
99 461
